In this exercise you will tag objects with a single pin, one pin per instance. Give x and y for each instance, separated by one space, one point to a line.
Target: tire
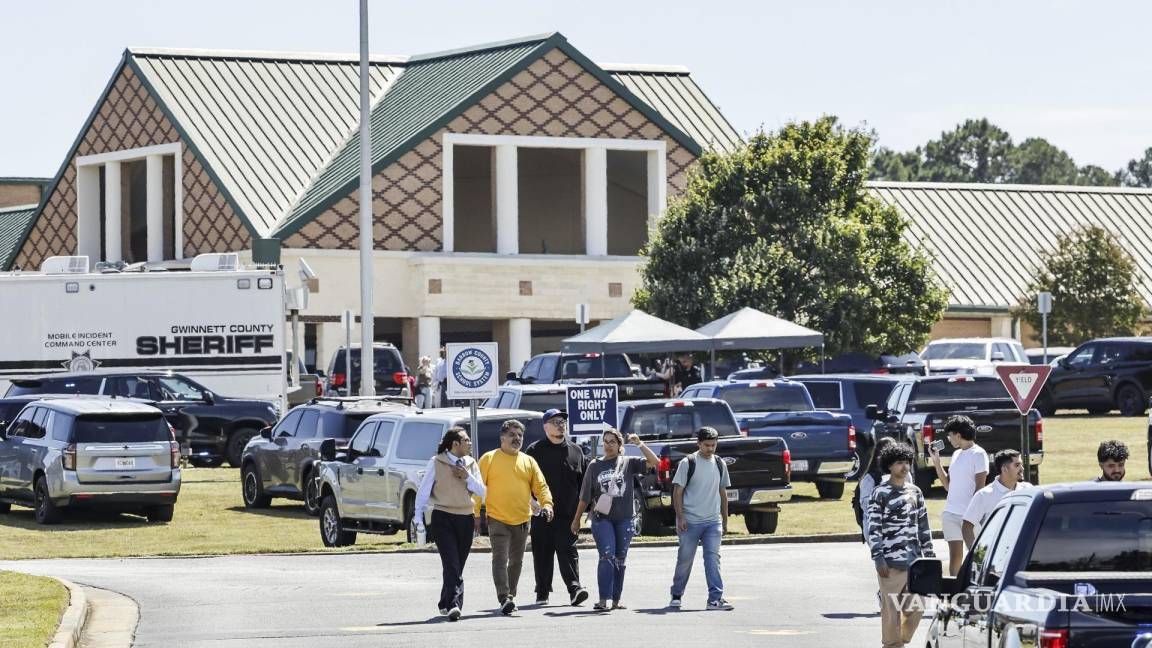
1034 475
5 507
1045 405
252 488
1099 411
924 478
645 522
830 490
409 521
206 462
235 450
1130 400
331 531
162 513
761 522
46 511
311 492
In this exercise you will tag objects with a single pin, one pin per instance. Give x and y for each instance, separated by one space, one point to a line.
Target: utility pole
367 320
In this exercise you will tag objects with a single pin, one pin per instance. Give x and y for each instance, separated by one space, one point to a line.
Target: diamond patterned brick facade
130 118
553 97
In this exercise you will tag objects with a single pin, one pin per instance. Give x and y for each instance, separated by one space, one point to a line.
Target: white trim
420 258
525 141
113 213
301 57
596 201
506 171
642 68
130 154
448 199
154 208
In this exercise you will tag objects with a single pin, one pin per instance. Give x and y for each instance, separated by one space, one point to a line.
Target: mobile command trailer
218 323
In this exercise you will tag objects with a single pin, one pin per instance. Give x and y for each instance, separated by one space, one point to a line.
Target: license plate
123 463
799 465
733 494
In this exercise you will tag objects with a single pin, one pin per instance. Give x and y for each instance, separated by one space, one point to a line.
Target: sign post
592 408
472 375
582 316
1024 385
346 320
1044 307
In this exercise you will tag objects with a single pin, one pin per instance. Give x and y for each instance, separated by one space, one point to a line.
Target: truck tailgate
809 435
752 462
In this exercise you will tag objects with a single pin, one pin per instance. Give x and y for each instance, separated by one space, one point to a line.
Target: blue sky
1074 73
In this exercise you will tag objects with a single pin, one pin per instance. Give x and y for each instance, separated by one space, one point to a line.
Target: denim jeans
708 533
612 540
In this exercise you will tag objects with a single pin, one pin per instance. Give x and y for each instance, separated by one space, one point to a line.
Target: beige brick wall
956 327
12 195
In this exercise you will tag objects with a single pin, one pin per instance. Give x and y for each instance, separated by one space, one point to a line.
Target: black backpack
857 508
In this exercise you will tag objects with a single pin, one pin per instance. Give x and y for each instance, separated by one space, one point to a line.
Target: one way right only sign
1024 383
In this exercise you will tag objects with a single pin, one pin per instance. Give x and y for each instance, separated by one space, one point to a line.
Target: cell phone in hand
938 446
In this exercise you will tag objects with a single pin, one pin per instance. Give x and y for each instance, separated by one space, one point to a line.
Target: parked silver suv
91 452
371 488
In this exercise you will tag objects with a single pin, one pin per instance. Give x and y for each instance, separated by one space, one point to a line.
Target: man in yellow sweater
512 479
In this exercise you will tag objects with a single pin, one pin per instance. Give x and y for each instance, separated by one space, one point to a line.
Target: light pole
367 322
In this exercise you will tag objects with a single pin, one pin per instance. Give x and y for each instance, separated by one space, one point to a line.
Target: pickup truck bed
594 368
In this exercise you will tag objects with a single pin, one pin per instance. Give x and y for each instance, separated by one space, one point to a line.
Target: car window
1082 357
825 395
384 437
86 385
341 426
767 397
504 399
872 392
287 426
982 550
1108 354
955 351
1009 538
963 388
23 420
1138 352
897 397
175 388
1005 350
61 427
418 440
136 387
27 427
1095 537
309 422
8 411
363 439
547 368
122 428
681 422
594 365
532 369
489 436
540 402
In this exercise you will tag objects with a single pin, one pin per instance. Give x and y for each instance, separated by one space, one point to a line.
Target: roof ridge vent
65 265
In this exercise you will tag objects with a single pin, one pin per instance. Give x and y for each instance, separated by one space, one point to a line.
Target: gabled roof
986 239
637 332
749 328
14 222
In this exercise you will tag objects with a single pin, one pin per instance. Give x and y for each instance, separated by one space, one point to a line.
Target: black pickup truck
1061 566
918 408
759 468
600 368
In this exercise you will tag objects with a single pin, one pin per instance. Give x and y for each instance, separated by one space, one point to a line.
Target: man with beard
1112 455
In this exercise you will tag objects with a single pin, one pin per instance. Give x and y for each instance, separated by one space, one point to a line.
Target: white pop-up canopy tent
637 332
749 328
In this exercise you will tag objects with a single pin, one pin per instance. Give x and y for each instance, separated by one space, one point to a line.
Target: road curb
74 617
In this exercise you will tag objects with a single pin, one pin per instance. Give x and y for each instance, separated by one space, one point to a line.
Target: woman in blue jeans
607 494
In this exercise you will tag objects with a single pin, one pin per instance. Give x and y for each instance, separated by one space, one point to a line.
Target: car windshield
595 366
385 362
345 426
775 398
681 422
955 351
121 429
8 411
541 402
1092 537
964 389
174 388
86 385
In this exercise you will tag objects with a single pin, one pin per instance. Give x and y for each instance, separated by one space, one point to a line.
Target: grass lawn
30 609
211 519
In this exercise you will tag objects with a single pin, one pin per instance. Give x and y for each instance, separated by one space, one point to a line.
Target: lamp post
367 322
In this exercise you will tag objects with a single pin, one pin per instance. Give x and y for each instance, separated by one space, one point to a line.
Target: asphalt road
785 595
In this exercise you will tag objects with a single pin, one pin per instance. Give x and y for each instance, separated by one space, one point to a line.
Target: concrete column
519 343
329 338
596 201
428 335
507 200
657 187
1002 327
88 241
154 167
113 239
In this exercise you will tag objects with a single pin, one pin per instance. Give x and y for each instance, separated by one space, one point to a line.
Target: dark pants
453 534
550 539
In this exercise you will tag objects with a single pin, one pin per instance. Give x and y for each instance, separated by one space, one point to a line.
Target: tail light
399 377
1039 431
69 457
851 437
744 430
664 469
319 389
1053 639
929 434
338 379
788 464
173 447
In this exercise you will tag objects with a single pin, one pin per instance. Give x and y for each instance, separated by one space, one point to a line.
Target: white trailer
217 323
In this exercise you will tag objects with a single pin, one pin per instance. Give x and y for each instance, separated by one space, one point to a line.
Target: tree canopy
1093 283
785 225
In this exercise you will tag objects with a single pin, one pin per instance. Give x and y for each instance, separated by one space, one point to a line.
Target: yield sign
1023 383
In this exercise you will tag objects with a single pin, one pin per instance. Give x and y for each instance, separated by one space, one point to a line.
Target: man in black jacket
563 464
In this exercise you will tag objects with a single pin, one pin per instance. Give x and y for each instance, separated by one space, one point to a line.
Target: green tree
1094 176
785 225
1093 283
976 151
1036 161
892 165
1138 173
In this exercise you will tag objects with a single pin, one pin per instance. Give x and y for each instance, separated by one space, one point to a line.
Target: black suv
387 367
1101 375
278 463
211 426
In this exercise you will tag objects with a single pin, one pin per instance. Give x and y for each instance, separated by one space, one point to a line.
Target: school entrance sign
472 370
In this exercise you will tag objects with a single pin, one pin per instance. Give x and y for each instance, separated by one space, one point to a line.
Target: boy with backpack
699 497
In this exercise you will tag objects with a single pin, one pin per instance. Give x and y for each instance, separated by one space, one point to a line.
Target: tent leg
712 364
822 369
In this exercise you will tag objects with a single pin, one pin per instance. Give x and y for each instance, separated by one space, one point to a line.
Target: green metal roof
14 221
19 180
986 239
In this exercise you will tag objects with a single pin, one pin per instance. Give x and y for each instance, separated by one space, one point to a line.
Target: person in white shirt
1009 477
967 473
440 381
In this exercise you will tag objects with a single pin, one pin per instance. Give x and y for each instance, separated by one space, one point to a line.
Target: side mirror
997 356
511 376
266 432
926 578
374 452
1064 364
209 398
3 430
328 450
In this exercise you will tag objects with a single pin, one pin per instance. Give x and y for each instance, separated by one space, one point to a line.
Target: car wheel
830 490
46 510
644 522
854 474
1099 411
160 513
5 507
761 522
206 462
1130 401
312 493
252 488
332 532
1045 405
236 443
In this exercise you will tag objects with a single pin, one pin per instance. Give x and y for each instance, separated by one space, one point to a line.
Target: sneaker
541 600
617 605
579 596
454 614
508 607
675 602
719 604
601 606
